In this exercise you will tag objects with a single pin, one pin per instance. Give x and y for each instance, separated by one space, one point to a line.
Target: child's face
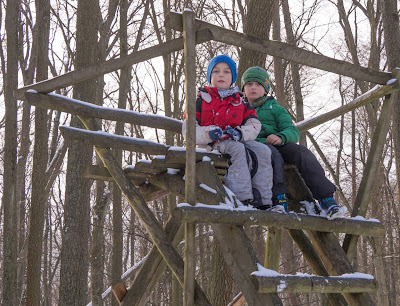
221 76
253 91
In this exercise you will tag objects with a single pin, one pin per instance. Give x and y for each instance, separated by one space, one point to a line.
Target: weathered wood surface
189 54
157 234
337 263
371 170
307 284
77 76
235 246
102 139
153 267
89 110
286 220
285 51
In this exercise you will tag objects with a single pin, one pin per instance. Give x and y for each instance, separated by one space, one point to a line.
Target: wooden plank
281 220
311 284
371 170
178 155
113 141
98 172
285 51
94 71
175 184
89 110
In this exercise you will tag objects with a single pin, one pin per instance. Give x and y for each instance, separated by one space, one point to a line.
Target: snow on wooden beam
107 140
89 110
202 214
285 51
350 283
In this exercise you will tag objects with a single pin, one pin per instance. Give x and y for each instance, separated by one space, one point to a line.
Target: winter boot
331 208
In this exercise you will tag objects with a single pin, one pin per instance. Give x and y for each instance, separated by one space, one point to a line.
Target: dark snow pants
310 169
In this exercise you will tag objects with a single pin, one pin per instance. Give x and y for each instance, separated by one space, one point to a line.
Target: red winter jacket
212 111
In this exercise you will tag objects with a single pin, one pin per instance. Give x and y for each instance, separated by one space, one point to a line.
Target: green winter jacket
275 119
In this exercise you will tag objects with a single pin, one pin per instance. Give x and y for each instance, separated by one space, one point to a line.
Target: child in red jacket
225 122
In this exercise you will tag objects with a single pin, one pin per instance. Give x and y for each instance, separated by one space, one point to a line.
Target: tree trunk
392 45
39 198
257 23
74 253
295 70
10 292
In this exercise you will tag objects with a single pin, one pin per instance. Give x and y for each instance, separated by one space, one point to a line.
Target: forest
66 238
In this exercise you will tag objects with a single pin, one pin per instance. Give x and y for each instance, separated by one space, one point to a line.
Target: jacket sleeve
251 125
287 130
202 136
202 132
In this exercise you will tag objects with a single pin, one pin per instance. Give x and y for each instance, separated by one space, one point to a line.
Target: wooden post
189 44
273 248
371 170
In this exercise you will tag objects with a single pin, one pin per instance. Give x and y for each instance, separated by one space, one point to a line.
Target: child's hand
215 134
274 140
233 133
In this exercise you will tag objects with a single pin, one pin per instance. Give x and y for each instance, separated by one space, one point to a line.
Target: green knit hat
257 74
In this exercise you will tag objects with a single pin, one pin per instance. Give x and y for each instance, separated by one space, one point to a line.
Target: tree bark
257 23
74 253
10 290
39 197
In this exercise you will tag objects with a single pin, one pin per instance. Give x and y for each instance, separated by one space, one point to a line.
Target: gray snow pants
249 174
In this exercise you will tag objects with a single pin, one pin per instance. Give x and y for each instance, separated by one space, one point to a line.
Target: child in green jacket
281 135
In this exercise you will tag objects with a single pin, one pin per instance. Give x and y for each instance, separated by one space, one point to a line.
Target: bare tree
74 255
10 293
39 201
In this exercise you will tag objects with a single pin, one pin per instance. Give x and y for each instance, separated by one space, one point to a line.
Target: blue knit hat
218 59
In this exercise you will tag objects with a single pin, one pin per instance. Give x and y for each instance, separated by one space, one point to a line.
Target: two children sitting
258 136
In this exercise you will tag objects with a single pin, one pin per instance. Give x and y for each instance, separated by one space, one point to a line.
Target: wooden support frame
284 50
323 242
371 170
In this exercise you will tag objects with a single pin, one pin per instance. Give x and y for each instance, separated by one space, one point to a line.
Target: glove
215 134
233 133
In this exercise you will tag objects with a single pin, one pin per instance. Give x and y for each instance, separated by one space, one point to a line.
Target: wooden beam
311 284
107 140
287 220
119 291
89 110
77 76
337 263
153 267
371 170
157 234
189 52
371 95
285 51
